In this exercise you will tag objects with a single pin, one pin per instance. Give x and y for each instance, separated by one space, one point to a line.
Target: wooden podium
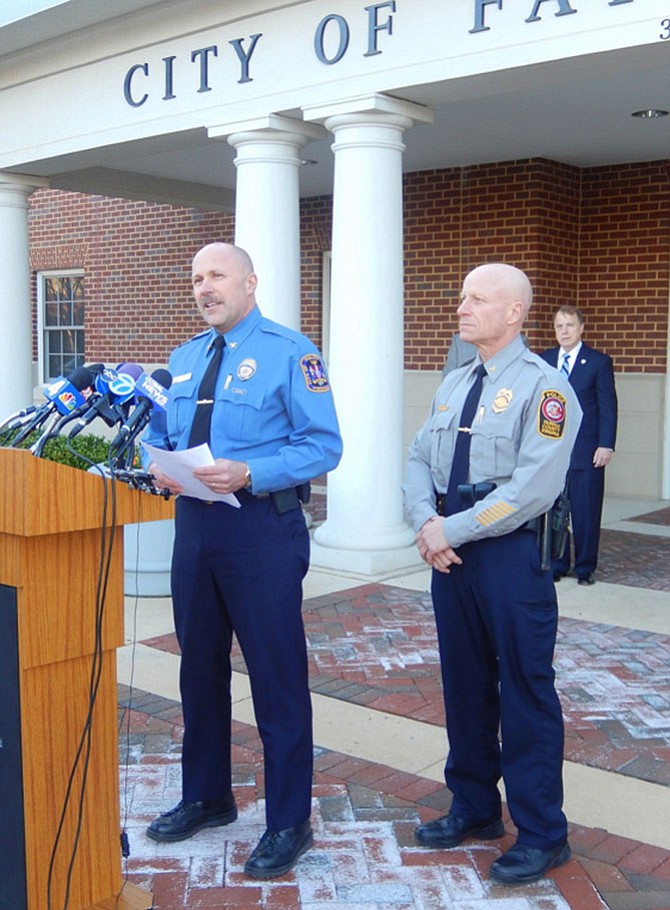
51 534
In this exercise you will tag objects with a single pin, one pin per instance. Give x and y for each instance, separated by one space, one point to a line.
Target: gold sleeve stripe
494 513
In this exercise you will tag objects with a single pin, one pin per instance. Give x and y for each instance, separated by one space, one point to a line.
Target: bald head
508 281
224 284
229 251
495 301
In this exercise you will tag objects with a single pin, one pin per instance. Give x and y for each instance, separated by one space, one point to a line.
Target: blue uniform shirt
273 405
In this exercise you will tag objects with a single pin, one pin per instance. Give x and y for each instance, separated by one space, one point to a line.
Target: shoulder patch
551 414
314 373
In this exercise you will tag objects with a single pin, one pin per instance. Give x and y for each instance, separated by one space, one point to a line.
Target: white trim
326 260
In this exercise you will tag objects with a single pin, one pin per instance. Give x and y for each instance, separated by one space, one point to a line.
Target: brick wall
624 263
136 258
596 237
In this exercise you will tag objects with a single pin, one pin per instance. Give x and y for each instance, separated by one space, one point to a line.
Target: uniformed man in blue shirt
273 429
495 604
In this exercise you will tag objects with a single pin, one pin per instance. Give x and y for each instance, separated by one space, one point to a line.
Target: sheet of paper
179 466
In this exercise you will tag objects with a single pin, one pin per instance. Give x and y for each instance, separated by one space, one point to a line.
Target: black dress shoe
557 576
586 579
278 851
523 864
187 818
450 831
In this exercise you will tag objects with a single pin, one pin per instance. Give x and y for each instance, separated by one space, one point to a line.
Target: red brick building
597 237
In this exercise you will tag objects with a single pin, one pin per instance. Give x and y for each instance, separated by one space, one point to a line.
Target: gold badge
246 369
502 401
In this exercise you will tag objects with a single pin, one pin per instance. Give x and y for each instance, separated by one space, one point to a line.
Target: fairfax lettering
564 9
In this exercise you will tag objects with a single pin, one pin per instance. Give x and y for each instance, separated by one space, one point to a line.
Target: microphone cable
83 752
125 759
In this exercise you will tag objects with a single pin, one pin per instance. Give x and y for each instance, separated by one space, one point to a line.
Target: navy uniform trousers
241 571
496 621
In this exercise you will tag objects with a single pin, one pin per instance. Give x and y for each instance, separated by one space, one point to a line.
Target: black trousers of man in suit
586 489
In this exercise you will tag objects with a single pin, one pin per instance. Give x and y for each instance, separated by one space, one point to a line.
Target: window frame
41 277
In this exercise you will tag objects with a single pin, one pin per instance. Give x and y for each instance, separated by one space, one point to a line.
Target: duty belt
470 493
283 500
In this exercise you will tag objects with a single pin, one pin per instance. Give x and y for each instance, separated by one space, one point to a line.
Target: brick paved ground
374 645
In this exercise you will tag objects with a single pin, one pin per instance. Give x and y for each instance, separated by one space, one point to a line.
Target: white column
365 530
16 352
267 206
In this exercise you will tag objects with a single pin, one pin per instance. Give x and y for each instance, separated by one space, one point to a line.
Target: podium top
42 497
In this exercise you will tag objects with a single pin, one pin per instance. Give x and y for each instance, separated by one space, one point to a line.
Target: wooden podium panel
51 535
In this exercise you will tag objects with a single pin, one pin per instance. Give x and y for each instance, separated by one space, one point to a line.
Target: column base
365 562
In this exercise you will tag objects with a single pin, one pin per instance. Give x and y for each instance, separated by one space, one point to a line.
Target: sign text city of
330 43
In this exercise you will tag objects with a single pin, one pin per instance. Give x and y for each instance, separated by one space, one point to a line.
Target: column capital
268 127
370 108
23 184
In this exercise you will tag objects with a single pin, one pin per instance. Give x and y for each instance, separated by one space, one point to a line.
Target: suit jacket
592 378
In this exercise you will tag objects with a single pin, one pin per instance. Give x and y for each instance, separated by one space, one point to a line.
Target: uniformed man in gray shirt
481 472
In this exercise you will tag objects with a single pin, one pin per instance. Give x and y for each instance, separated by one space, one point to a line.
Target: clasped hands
434 548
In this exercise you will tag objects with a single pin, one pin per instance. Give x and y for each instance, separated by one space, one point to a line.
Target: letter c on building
144 68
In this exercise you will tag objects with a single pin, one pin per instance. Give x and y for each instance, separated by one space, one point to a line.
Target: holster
553 531
291 497
560 525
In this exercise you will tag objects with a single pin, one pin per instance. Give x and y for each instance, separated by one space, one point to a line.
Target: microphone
150 392
63 396
15 420
89 394
113 389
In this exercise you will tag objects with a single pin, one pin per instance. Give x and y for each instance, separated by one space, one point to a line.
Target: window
60 297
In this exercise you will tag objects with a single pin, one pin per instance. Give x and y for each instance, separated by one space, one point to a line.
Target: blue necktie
565 366
461 463
203 411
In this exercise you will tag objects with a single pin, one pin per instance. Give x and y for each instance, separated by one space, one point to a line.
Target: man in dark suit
592 377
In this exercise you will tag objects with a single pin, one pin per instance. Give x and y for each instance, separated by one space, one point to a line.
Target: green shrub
76 453
92 448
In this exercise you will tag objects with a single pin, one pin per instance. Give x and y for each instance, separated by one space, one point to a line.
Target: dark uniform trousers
242 570
497 619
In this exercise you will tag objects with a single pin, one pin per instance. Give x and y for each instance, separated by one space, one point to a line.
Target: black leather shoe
187 818
586 579
450 831
523 864
557 576
278 851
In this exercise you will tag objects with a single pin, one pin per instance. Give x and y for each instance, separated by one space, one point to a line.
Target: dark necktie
203 410
461 463
565 366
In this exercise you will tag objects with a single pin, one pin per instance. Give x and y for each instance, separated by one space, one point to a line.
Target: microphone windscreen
130 369
81 378
164 377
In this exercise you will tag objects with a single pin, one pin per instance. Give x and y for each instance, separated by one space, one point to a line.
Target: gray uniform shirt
522 437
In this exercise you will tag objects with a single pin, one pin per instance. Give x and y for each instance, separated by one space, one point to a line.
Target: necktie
461 463
565 366
203 411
